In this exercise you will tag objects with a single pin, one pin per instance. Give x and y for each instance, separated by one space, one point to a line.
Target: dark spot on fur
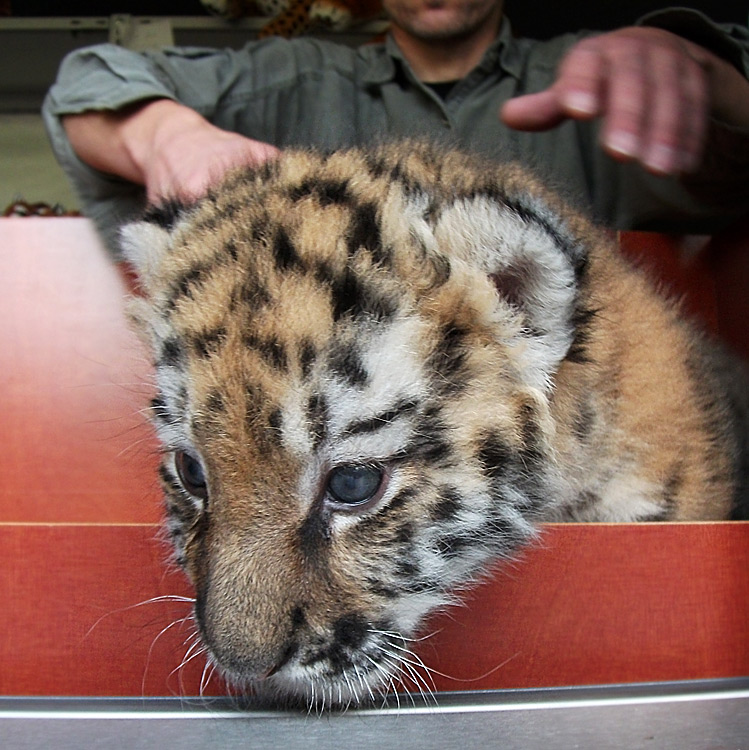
531 452
254 293
380 589
429 441
298 617
448 360
160 411
215 402
407 568
307 357
314 533
327 192
364 232
317 417
165 214
381 420
453 544
581 324
402 498
583 421
404 533
208 343
586 502
672 487
495 456
284 252
171 353
185 284
449 504
350 631
275 419
346 363
270 349
355 298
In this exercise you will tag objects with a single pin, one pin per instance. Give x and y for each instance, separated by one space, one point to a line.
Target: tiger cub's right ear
145 243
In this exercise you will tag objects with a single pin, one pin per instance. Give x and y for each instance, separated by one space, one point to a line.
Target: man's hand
654 91
168 148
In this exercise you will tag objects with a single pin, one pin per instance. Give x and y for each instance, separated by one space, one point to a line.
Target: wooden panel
73 380
594 604
590 604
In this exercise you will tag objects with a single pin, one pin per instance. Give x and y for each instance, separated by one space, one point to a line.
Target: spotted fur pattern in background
378 371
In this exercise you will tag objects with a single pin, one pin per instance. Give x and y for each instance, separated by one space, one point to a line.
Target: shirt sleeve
210 81
108 77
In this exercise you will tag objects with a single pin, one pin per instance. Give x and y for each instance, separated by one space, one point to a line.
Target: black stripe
317 417
172 353
327 192
165 214
270 349
381 420
284 252
495 456
351 296
345 362
307 357
160 411
184 285
364 232
449 504
207 343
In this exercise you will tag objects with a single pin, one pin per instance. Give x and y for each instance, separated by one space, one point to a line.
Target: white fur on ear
144 244
530 268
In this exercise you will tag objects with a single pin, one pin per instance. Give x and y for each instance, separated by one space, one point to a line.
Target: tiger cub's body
378 371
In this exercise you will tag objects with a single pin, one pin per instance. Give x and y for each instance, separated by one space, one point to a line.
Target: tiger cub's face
353 365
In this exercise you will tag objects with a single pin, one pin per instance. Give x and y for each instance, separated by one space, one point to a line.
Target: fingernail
622 142
662 159
582 102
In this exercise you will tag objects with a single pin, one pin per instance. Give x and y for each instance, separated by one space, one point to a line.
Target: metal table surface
704 715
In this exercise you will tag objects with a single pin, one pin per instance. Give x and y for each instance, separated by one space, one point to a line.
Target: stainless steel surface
705 715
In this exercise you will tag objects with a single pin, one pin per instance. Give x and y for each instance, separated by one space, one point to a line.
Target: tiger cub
378 371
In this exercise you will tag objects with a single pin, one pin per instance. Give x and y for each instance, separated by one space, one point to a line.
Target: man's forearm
118 142
161 144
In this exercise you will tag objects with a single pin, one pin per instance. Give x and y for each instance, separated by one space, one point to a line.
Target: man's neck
434 61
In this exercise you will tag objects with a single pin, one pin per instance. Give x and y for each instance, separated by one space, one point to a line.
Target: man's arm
162 145
655 92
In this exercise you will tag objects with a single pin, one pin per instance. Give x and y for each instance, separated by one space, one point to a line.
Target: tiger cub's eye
354 484
191 474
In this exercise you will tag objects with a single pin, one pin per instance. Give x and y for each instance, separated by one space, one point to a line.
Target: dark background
535 18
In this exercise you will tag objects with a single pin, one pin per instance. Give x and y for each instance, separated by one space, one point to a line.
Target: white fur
144 245
490 235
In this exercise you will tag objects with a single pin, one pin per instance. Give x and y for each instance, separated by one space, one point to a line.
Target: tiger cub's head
354 355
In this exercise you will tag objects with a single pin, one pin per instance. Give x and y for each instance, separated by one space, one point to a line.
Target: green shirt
307 92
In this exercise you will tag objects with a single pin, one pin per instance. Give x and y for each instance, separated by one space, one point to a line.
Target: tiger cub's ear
144 243
536 265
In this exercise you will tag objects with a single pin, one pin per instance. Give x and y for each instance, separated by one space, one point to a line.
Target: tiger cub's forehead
296 283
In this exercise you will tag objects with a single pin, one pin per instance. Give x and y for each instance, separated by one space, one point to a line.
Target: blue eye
191 474
354 484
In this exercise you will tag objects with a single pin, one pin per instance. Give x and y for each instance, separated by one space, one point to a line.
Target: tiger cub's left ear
145 243
537 266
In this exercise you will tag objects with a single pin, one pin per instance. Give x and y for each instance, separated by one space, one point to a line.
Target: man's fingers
533 112
646 86
627 101
580 81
